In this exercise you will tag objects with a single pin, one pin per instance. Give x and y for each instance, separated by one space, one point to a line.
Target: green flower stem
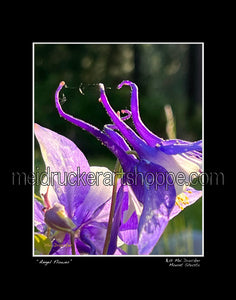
113 203
72 240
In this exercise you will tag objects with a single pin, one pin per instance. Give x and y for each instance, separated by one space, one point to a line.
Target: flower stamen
181 200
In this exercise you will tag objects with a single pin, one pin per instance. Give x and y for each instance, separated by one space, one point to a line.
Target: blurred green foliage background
165 74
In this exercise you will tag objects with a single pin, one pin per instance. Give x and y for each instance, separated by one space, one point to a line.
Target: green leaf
38 198
42 244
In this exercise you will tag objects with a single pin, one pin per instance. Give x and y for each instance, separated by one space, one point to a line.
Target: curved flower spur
156 160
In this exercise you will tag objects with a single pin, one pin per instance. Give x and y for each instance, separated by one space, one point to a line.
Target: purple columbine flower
151 172
76 200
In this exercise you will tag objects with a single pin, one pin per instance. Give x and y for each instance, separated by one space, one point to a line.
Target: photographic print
118 154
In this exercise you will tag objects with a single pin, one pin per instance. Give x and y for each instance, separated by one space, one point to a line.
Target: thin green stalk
113 203
170 126
72 240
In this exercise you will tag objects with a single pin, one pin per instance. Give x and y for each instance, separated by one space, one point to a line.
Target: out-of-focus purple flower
150 166
77 201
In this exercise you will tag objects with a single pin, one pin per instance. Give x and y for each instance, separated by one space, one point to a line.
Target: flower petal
64 158
151 228
93 235
131 212
179 166
128 232
130 206
98 194
158 198
39 216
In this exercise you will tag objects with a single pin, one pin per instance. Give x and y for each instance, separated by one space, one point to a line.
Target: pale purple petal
63 157
39 216
100 192
129 231
179 166
101 214
131 211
